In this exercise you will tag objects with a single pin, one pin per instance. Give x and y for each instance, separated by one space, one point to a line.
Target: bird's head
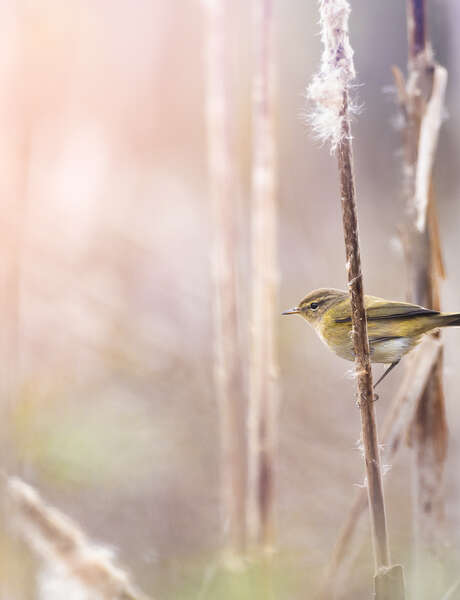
316 303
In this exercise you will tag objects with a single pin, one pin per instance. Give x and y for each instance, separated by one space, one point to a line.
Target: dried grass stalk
361 349
263 366
55 538
227 362
332 95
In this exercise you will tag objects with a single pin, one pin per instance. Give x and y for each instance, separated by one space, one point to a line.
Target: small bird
393 328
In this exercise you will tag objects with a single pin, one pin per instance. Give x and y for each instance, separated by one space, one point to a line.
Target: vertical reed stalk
263 373
389 582
425 268
329 90
361 347
227 362
422 100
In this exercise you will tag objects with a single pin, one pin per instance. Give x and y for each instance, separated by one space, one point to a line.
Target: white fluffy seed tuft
336 73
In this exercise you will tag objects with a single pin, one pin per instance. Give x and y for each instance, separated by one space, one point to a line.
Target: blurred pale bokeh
106 340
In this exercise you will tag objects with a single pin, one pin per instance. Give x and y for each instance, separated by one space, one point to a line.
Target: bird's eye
314 305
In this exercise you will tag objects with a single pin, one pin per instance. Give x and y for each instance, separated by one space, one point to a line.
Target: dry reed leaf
428 142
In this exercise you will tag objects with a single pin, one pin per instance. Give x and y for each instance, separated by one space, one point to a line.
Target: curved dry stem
55 537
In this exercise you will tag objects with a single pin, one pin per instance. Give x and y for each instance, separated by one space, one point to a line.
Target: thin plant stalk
389 580
421 242
361 349
263 364
331 118
227 361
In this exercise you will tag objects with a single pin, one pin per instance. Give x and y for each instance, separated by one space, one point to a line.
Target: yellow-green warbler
394 328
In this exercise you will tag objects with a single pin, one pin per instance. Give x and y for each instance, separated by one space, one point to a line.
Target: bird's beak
291 311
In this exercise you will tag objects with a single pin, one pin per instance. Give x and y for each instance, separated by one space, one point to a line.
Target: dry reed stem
422 109
361 350
394 427
330 91
227 362
389 580
263 398
337 62
55 537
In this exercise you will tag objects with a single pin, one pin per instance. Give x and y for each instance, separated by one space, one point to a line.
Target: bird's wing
378 309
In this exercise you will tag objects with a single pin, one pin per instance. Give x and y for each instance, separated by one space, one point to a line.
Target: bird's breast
337 337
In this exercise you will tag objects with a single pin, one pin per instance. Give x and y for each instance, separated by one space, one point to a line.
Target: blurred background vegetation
105 296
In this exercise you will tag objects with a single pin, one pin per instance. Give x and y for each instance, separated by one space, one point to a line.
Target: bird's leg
390 368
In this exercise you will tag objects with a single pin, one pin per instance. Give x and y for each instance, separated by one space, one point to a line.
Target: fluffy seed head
336 73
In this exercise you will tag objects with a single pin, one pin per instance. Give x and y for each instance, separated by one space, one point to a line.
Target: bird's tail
450 320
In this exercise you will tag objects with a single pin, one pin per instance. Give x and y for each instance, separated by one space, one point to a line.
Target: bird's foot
358 403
